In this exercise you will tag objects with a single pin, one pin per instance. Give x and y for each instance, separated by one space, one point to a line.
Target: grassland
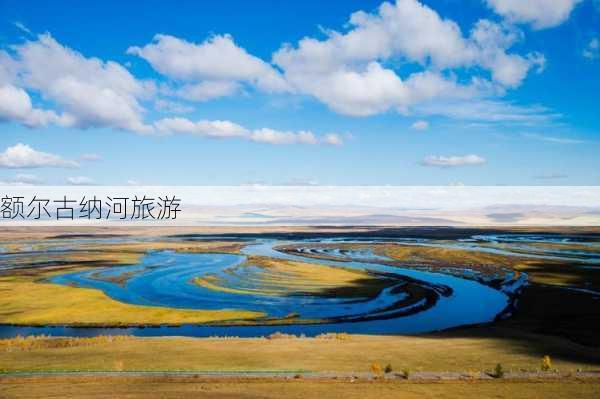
450 351
167 388
345 354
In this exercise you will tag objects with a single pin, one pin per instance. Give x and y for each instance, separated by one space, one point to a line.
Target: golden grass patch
25 301
276 277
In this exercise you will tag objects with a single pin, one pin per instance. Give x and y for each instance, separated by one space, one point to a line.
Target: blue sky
478 92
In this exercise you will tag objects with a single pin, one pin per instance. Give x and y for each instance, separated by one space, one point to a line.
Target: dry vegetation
281 352
266 276
215 388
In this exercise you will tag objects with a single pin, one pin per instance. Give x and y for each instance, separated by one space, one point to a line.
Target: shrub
376 369
405 373
546 363
339 336
388 369
342 336
498 371
280 335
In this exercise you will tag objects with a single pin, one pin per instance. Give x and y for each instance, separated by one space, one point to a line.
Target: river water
164 278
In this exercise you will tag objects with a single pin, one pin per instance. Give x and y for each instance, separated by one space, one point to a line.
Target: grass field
167 388
344 353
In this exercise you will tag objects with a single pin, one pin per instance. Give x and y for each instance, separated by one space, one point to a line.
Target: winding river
164 278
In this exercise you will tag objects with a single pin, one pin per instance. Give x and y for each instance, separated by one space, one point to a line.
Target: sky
446 92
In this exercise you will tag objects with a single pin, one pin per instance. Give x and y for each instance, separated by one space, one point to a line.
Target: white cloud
22 179
8 69
80 181
271 136
350 72
205 128
92 92
540 14
227 129
216 65
452 161
492 41
23 156
15 105
25 178
420 125
133 183
489 110
174 107
592 50
208 90
333 139
346 70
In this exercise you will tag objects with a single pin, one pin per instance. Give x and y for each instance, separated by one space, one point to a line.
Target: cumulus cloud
92 92
493 41
207 90
346 70
174 107
452 161
540 14
8 68
420 125
227 129
23 156
80 181
15 105
217 66
349 71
